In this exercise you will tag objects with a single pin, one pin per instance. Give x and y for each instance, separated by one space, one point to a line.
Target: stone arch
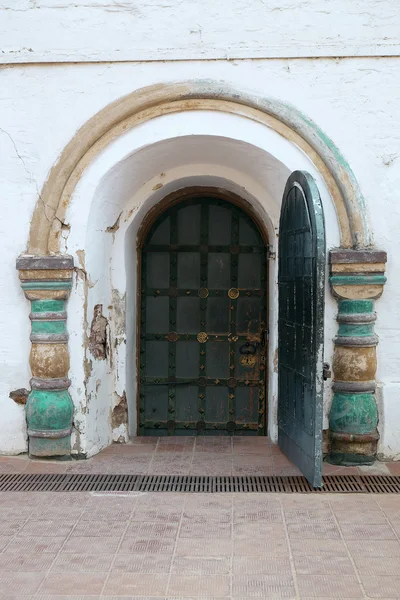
46 271
153 101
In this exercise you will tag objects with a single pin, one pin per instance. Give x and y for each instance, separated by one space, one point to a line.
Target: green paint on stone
46 285
353 413
356 306
48 326
357 279
39 306
49 410
350 329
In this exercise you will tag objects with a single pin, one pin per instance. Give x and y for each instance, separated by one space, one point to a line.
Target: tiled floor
186 456
193 546
119 546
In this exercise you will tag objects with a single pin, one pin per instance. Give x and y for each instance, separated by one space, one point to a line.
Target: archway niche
113 197
117 167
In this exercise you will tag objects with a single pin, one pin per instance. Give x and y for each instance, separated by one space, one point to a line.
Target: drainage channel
360 484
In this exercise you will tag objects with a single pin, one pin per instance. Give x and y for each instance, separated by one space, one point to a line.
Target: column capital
357 274
45 277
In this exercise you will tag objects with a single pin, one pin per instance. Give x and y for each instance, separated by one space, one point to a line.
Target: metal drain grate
364 484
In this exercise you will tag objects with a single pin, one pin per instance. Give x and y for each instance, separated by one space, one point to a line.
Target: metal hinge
270 253
327 373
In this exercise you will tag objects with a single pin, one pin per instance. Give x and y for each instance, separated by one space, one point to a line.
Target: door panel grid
203 322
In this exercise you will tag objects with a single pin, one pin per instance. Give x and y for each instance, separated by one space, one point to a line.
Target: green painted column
357 280
47 282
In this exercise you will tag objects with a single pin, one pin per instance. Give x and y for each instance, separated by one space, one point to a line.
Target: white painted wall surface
355 101
147 30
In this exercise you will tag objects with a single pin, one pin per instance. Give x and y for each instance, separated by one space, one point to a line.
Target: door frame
149 220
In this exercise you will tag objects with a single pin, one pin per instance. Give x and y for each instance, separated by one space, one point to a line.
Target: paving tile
20 583
263 586
68 597
157 500
152 530
261 565
361 517
318 547
381 587
28 563
26 544
142 563
264 467
175 448
325 564
49 528
43 467
257 502
343 502
82 563
359 531
107 513
16 513
271 531
313 530
211 465
288 471
212 530
207 516
202 547
73 583
251 515
157 514
374 548
4 540
138 465
328 469
393 467
260 547
304 501
16 597
8 528
211 502
378 468
183 565
98 529
91 545
329 586
308 515
130 583
171 469
199 585
131 545
388 566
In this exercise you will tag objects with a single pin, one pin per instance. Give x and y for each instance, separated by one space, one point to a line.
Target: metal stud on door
301 325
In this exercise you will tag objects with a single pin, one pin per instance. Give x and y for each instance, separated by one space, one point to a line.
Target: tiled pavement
192 546
184 456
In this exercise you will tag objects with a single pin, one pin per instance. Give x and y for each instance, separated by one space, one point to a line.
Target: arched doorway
203 312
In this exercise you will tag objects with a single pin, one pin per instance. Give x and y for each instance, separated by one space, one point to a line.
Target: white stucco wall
355 101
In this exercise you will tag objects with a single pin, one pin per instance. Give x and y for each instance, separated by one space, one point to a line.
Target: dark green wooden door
301 325
203 323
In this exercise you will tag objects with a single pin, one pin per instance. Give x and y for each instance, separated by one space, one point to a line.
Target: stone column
357 279
47 281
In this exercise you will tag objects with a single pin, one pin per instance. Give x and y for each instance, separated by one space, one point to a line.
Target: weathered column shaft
47 282
357 278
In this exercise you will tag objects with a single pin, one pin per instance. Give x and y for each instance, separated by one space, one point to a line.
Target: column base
350 449
56 448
